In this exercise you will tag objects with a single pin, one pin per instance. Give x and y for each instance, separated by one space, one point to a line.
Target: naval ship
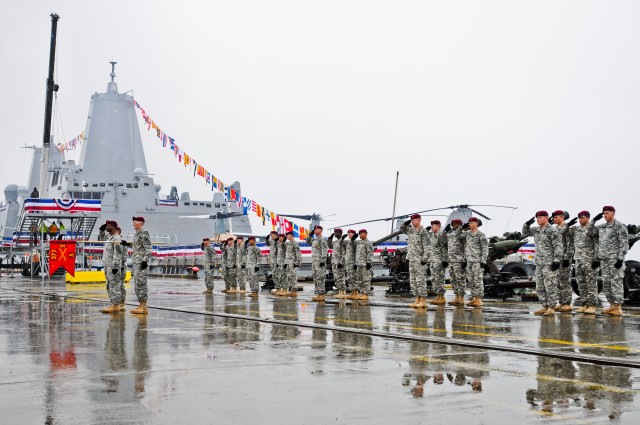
111 181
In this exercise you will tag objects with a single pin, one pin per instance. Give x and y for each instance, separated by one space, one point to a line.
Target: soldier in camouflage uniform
319 251
456 258
338 262
585 241
253 266
209 264
350 259
123 267
229 266
476 253
141 257
418 256
364 257
280 276
271 241
112 263
548 256
292 260
438 254
565 291
241 266
613 244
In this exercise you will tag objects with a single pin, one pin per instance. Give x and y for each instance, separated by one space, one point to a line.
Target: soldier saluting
141 256
112 262
438 254
548 256
457 262
350 260
476 252
364 256
319 251
585 240
338 262
292 260
418 256
613 244
564 274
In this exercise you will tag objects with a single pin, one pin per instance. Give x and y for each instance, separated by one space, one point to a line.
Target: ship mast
51 87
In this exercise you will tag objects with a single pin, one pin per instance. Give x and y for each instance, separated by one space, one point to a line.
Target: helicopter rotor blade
480 214
495 206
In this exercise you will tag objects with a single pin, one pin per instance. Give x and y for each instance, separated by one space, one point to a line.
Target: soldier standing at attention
613 244
476 253
281 277
457 262
253 266
364 257
319 251
271 240
241 266
564 274
350 259
585 241
548 256
209 265
112 263
292 259
123 267
418 256
229 266
438 254
141 257
338 262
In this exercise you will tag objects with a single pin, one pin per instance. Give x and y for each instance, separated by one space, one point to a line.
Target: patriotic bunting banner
71 144
231 195
62 205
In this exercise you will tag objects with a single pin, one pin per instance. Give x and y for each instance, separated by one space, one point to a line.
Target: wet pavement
194 360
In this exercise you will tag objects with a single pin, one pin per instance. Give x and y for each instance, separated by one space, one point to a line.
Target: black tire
632 281
515 269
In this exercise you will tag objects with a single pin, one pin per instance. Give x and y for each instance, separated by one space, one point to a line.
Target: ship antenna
113 70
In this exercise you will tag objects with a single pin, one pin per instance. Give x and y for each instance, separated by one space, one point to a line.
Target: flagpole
395 197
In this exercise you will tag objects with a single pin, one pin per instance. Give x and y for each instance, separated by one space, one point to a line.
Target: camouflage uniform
292 260
350 261
229 266
209 265
141 252
319 251
280 276
123 271
585 244
548 251
364 257
456 255
241 266
418 256
338 263
564 274
613 244
476 252
273 252
112 259
437 255
253 262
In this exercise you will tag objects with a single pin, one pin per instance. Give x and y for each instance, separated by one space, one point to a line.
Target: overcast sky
314 106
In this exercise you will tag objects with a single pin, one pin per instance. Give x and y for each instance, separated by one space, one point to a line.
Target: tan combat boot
557 308
253 295
415 303
208 292
422 302
582 309
111 309
122 307
318 298
142 308
617 310
549 312
342 294
565 308
363 297
455 301
478 303
541 311
473 302
354 295
292 294
607 310
242 291
439 300
589 310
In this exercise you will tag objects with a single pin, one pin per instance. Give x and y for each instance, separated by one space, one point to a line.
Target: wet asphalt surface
62 361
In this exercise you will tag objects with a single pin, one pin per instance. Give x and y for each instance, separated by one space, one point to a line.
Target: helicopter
314 219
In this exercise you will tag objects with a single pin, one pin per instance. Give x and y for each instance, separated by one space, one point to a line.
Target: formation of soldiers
114 261
431 250
240 264
593 248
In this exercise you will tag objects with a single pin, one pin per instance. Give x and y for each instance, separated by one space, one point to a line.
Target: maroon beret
229 239
435 222
112 223
416 216
363 231
281 235
337 230
557 212
318 227
456 221
351 231
584 214
608 208
251 238
289 233
239 238
118 229
273 232
473 220
138 219
542 213
206 239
